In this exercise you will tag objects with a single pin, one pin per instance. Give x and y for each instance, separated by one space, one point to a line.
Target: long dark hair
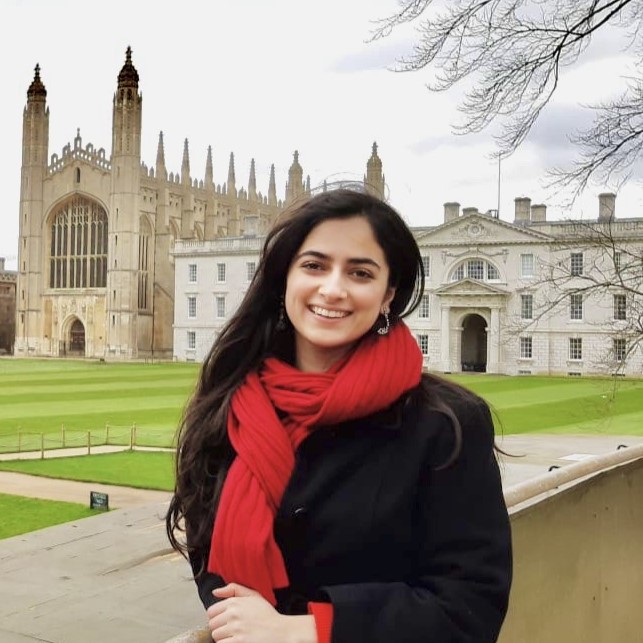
204 452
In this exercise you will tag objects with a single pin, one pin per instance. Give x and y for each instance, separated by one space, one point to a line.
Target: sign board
98 500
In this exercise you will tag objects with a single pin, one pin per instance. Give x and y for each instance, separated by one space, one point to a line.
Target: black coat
405 551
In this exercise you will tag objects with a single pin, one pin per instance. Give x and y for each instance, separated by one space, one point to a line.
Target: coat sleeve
205 583
461 590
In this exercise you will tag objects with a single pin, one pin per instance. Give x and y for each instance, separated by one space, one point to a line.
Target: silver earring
387 325
281 320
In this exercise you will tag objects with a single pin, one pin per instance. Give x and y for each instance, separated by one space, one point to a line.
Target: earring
281 319
387 324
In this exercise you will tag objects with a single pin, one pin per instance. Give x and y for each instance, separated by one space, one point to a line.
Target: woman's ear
388 298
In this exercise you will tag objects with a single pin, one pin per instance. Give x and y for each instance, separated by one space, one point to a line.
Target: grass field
40 397
21 515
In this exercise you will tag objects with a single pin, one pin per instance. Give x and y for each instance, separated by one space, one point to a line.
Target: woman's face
337 285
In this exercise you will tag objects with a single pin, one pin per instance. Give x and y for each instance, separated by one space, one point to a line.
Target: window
424 310
492 273
620 307
192 307
576 263
619 347
192 273
477 269
617 261
221 273
78 246
144 236
526 306
251 268
526 348
575 348
527 265
576 306
426 263
423 343
220 305
191 340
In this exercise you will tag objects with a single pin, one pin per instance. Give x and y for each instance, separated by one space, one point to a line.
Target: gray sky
263 79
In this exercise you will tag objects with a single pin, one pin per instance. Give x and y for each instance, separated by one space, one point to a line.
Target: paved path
113 577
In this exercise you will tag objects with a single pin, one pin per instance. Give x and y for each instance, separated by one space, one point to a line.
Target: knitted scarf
376 374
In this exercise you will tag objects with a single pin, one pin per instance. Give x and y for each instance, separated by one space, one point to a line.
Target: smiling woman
329 490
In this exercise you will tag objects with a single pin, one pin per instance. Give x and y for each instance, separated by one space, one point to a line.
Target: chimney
451 211
468 211
522 210
539 212
606 207
1 264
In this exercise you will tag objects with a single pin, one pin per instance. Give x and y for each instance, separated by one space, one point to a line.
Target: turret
209 175
252 182
295 186
374 179
272 187
185 164
232 184
161 171
125 227
35 146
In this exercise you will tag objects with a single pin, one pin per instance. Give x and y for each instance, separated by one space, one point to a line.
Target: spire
37 91
295 179
209 175
128 76
252 182
374 179
185 165
308 184
272 187
232 188
161 172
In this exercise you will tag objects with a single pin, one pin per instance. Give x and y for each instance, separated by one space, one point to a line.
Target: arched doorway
76 342
474 344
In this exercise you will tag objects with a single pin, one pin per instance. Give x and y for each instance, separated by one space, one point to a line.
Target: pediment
479 229
470 287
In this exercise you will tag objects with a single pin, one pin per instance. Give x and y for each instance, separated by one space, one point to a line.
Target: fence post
42 446
62 430
89 442
19 441
134 430
106 433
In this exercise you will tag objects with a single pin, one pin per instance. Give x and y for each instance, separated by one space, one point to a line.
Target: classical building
500 297
97 231
7 309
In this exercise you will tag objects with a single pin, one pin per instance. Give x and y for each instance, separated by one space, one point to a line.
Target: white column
493 343
444 340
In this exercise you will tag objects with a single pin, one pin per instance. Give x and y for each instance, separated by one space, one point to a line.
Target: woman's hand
244 616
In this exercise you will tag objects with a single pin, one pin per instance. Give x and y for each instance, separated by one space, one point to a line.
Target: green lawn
144 470
67 399
21 515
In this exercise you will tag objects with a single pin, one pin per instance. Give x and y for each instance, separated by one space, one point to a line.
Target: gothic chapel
97 232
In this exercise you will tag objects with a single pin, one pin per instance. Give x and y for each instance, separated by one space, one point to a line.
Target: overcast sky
262 78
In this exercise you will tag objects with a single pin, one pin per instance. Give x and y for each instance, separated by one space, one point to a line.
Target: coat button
299 513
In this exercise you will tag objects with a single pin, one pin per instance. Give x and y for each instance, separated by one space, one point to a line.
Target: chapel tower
128 289
35 143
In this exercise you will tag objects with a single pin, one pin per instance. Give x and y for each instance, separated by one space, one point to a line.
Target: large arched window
478 269
78 252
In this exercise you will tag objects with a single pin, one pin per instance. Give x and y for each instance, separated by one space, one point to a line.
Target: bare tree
594 273
509 55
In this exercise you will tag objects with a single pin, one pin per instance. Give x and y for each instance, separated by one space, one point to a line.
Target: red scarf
378 372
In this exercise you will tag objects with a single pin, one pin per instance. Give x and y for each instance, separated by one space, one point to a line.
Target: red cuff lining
323 614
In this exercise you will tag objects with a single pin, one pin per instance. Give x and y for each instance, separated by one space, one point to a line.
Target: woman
328 489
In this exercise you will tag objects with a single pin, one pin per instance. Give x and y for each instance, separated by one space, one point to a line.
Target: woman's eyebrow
352 260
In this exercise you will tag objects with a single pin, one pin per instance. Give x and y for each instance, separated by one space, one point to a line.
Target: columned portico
468 308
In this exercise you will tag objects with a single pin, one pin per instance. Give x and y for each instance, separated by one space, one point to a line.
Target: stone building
97 230
488 305
7 309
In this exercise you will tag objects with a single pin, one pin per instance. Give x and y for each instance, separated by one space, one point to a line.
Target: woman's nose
333 286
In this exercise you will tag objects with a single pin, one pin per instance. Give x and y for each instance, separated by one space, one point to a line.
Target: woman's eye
312 265
363 274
